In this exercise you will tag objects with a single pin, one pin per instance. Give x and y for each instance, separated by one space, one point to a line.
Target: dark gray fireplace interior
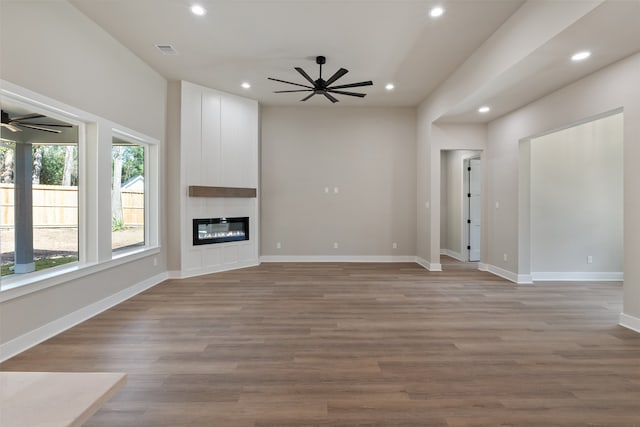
208 231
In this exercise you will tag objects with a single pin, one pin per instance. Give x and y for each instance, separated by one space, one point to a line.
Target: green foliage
42 264
52 164
132 161
117 224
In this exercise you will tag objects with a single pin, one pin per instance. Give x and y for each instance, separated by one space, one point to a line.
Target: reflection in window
38 191
127 195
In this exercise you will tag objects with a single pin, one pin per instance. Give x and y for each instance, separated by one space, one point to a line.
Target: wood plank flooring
358 345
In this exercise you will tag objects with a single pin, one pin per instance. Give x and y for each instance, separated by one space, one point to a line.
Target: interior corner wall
338 175
52 49
577 201
174 177
612 88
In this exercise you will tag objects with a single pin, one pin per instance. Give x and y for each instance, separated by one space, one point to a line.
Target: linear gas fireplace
219 230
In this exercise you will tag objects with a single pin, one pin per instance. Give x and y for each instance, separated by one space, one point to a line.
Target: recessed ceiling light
436 12
389 86
196 9
580 56
246 85
484 109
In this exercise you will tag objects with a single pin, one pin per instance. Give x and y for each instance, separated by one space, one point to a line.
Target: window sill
18 286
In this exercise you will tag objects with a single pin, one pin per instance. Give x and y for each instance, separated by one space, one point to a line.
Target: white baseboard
578 276
216 269
455 255
428 265
520 279
630 322
483 267
30 339
336 258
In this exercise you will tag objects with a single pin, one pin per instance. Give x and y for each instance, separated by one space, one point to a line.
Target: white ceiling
380 40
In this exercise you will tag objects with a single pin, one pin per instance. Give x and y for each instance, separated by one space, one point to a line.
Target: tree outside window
127 195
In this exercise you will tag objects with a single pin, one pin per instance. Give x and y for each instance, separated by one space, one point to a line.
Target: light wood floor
358 345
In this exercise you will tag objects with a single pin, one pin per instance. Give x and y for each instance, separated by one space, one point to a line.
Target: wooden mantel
205 191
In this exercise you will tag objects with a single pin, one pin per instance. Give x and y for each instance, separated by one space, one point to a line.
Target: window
38 191
128 190
55 196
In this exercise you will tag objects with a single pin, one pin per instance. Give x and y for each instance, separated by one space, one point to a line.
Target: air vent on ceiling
167 49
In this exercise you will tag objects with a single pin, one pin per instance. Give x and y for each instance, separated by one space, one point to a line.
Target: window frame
94 134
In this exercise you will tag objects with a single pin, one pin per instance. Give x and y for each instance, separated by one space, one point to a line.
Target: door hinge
468 221
469 195
469 168
469 247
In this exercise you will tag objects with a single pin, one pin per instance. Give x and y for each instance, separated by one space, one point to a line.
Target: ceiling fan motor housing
324 87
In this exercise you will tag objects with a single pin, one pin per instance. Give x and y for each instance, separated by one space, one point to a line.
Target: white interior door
475 179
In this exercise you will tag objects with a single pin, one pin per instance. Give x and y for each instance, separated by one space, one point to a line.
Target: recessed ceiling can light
389 86
484 109
436 12
246 85
580 56
196 9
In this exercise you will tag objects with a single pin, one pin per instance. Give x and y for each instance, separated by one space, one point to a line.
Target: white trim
578 276
483 267
336 258
629 322
455 255
520 279
216 269
36 336
426 264
16 286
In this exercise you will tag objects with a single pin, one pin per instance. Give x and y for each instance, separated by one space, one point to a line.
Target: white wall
612 88
577 201
52 49
366 153
529 28
218 147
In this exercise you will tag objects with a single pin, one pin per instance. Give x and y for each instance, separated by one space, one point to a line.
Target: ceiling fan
15 123
323 87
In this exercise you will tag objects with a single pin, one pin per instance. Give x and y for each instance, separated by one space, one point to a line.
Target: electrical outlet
589 259
505 257
336 190
497 205
335 245
326 190
155 261
394 245
426 205
278 245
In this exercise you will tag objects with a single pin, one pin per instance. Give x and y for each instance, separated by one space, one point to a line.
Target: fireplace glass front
219 230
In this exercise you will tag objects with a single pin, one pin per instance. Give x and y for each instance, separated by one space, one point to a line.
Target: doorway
460 215
473 208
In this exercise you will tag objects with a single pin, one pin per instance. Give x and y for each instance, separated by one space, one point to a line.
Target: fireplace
219 230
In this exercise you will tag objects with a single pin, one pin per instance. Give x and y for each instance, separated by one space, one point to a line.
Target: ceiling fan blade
341 72
27 116
43 124
40 128
291 83
359 84
287 91
12 128
305 75
331 98
340 92
304 99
